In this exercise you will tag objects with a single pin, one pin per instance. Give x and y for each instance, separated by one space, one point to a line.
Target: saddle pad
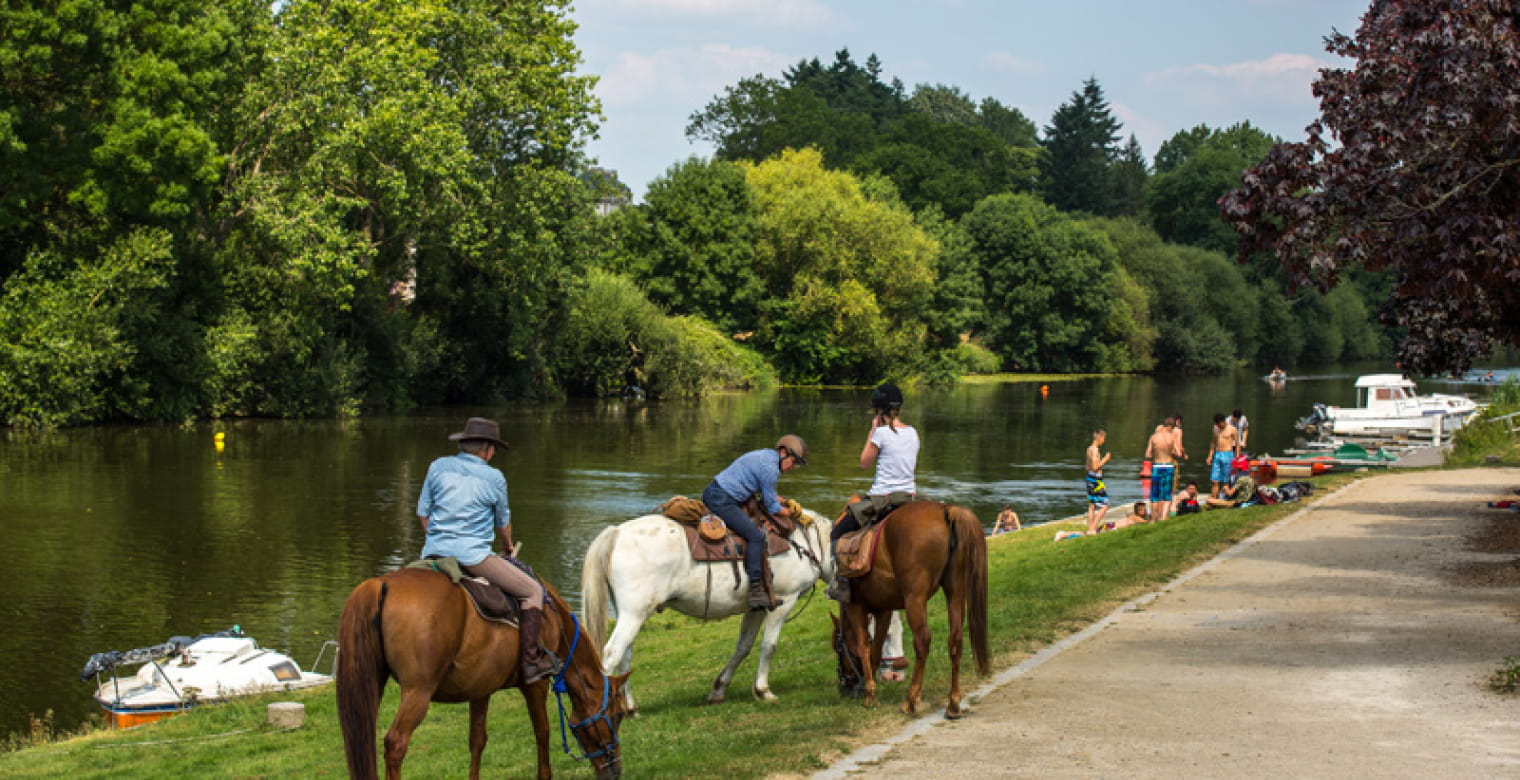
490 602
731 548
855 552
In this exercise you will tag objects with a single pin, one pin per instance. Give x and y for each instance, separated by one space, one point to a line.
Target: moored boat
185 672
1387 404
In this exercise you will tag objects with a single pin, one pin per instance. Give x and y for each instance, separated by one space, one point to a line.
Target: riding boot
535 663
758 598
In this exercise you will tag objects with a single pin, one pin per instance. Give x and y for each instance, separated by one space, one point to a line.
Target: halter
559 687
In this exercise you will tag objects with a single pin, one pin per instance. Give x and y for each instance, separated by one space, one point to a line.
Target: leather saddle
692 515
491 602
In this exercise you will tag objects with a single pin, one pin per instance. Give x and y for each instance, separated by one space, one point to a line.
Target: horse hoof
764 694
910 708
717 697
953 712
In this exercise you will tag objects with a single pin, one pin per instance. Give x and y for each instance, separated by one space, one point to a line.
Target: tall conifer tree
1080 146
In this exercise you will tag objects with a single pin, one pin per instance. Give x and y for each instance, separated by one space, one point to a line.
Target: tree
1129 174
1201 166
848 279
1079 148
1413 167
1049 287
693 244
944 103
1008 123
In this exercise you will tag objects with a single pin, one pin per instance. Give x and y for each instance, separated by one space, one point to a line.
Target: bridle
847 661
559 687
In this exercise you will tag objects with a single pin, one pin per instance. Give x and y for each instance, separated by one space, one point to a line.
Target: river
123 536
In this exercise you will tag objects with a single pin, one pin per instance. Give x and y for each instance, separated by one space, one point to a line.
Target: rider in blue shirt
462 507
754 473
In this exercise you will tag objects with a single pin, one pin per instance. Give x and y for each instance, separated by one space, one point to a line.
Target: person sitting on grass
1187 500
1007 521
1137 516
1239 494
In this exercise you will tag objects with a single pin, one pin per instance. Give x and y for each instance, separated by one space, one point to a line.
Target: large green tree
848 278
1080 145
1414 168
1050 288
1194 169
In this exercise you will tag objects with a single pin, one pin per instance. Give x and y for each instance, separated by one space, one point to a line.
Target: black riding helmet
886 397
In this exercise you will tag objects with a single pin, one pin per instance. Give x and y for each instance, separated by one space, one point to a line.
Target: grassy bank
1040 590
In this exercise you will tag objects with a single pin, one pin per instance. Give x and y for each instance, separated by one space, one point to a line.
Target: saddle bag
712 528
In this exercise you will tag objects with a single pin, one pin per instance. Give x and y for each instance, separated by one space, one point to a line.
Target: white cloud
1279 78
765 13
685 77
1149 132
1008 63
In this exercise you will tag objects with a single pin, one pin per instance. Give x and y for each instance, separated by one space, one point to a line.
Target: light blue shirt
465 501
751 473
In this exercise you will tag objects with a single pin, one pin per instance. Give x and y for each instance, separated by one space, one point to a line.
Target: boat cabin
1376 389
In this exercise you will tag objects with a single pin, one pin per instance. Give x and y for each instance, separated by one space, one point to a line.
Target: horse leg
918 621
478 710
409 714
957 612
537 700
860 645
882 627
773 623
617 655
749 628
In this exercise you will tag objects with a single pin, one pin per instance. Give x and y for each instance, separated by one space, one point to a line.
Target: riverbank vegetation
1485 439
314 209
1040 590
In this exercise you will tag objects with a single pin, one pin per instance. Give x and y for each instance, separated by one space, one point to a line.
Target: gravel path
1353 639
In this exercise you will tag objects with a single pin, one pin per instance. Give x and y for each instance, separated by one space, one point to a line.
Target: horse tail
970 559
362 673
595 588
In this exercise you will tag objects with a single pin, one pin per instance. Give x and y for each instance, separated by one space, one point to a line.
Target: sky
1164 65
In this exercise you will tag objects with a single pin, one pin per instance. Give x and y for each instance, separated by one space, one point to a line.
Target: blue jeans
723 505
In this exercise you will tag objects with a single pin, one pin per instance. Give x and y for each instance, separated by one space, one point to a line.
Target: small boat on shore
184 672
1347 457
1387 404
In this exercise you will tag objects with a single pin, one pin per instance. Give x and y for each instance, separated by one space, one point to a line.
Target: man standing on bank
463 505
754 473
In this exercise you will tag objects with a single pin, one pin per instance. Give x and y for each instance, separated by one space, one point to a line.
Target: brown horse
925 546
420 628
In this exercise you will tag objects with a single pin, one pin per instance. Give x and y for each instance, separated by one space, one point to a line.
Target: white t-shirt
896 459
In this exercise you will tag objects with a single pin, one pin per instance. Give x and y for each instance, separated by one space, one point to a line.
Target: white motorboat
184 672
1387 405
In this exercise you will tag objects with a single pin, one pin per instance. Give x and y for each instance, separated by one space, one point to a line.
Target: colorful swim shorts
1097 492
1162 475
1219 469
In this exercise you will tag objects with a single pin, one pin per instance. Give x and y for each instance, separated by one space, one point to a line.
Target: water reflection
123 536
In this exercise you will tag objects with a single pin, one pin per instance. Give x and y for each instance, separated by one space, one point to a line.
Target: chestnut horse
419 627
925 546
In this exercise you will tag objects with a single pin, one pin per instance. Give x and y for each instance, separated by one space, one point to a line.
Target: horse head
597 710
848 666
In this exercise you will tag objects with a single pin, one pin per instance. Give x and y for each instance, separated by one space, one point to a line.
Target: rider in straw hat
750 474
463 505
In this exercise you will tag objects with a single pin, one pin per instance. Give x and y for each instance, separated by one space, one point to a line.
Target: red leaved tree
1414 168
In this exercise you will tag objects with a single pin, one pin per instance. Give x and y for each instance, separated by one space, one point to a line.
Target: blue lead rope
559 688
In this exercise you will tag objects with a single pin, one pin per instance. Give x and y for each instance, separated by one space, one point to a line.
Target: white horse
646 566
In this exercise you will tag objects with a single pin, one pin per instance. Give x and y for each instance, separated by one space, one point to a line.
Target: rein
804 552
559 687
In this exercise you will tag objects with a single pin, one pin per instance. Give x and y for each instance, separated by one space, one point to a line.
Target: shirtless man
1222 449
1097 492
1162 450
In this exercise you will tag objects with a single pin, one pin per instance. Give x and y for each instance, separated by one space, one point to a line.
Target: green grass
1039 591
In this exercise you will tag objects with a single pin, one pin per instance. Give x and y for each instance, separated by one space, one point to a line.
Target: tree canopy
1412 168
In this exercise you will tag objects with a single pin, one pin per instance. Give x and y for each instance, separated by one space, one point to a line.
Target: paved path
1341 642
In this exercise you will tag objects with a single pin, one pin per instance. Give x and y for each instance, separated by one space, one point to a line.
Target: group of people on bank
1229 479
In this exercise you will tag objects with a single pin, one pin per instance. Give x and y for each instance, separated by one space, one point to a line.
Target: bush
1484 436
615 337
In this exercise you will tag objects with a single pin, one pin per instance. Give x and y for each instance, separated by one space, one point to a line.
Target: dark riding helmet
886 397
794 444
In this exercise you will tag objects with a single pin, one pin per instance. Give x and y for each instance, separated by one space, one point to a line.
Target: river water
123 536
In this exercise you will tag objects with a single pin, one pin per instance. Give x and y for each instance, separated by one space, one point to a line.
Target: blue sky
1165 65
